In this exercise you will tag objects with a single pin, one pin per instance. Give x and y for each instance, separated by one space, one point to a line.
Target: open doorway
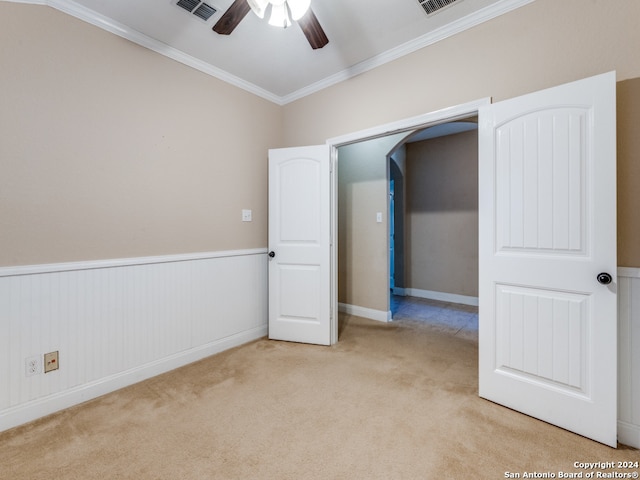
340 274
408 219
435 227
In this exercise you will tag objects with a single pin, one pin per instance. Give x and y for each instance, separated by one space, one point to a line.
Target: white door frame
430 119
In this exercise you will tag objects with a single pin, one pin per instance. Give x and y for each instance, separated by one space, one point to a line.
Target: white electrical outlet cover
32 365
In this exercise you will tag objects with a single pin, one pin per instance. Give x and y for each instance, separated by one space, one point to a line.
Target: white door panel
543 337
547 228
547 214
299 237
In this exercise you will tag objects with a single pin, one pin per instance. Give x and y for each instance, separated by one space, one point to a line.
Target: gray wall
442 214
363 244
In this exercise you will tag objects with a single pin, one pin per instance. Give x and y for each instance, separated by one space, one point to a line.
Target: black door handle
272 254
604 278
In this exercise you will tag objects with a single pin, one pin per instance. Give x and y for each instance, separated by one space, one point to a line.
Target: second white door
299 243
548 320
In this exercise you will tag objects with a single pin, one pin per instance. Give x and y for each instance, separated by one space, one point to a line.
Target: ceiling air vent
432 6
198 8
204 11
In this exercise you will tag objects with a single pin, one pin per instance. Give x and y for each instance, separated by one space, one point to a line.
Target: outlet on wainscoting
32 365
51 361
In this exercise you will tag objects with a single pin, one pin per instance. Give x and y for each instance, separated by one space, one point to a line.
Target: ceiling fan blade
312 30
232 17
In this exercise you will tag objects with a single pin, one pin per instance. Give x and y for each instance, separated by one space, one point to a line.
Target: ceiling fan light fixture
298 8
282 12
287 11
280 15
259 7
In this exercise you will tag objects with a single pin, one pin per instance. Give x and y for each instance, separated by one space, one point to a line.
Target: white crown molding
82 13
458 26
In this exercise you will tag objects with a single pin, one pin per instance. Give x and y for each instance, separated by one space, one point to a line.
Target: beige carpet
389 401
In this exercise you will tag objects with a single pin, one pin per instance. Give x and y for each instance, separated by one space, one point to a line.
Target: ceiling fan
282 12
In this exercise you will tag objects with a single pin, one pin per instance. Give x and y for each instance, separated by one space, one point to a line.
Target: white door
299 244
547 230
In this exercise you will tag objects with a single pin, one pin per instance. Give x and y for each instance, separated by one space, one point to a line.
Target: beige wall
545 43
628 94
109 150
442 214
542 44
363 244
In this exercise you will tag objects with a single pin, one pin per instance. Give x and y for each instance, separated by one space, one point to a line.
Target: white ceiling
278 64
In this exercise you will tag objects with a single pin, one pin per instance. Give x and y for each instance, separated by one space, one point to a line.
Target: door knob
272 254
604 278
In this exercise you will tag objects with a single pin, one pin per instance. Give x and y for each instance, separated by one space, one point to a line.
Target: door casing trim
418 122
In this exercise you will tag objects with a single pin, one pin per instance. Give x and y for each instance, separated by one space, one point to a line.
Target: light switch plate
246 215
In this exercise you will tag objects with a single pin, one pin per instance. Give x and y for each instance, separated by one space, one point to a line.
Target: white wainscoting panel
118 322
629 356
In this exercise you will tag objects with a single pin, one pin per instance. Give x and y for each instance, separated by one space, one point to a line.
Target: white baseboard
441 296
35 409
378 315
629 434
